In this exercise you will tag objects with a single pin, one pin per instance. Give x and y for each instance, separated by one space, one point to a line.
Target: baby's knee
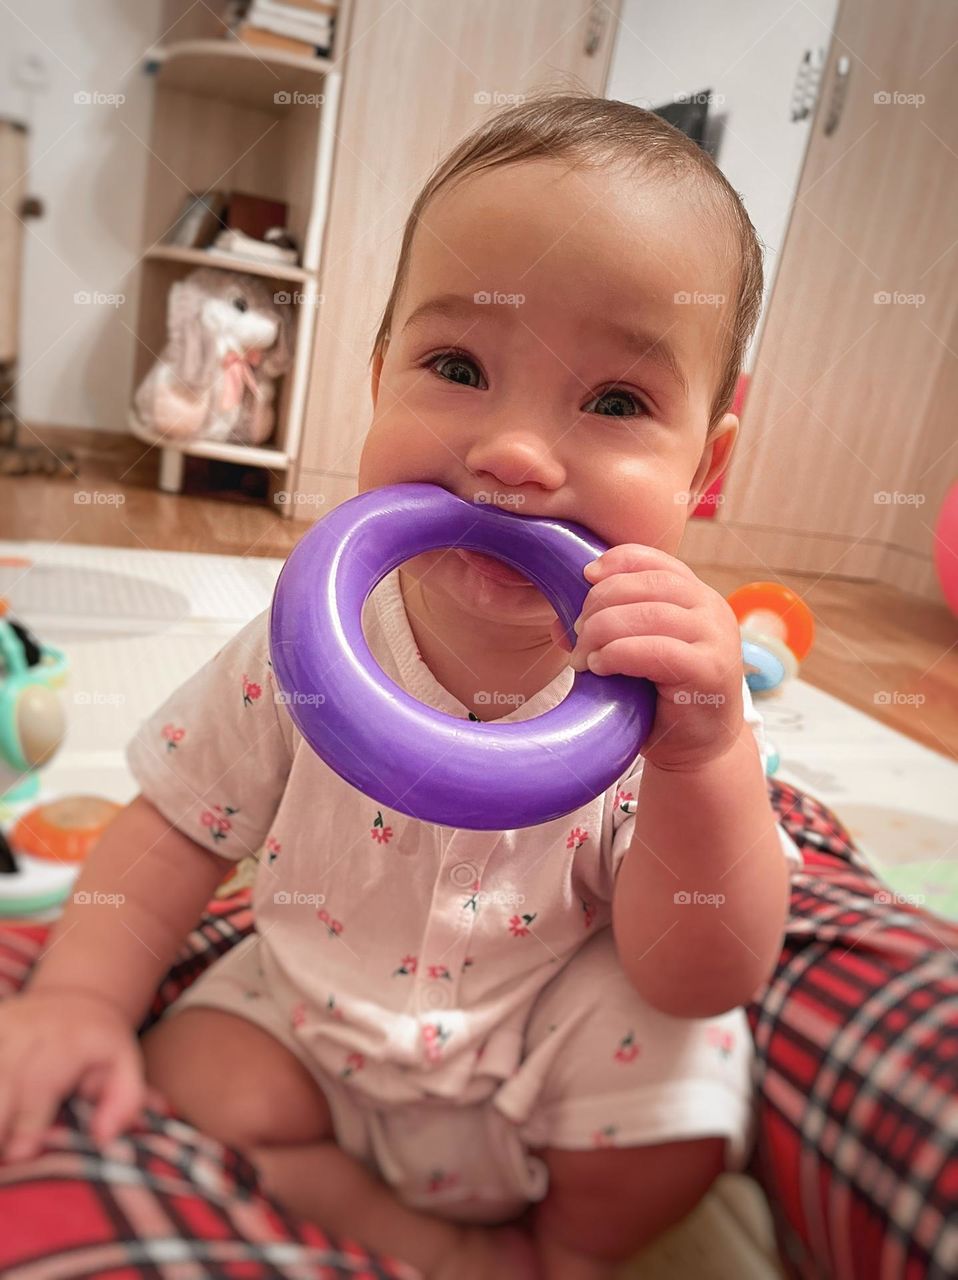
609 1203
232 1080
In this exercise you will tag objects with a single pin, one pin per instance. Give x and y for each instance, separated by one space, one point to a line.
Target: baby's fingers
120 1091
31 1119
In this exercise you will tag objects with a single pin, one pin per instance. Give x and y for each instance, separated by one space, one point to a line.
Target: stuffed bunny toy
227 340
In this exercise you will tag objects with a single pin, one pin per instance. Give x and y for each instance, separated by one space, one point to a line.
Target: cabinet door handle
594 28
836 102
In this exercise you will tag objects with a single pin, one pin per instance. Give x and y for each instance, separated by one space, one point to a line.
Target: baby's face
539 356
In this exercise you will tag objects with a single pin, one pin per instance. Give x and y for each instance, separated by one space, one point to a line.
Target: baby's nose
513 458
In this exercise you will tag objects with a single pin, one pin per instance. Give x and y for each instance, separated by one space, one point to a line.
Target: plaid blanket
857 1049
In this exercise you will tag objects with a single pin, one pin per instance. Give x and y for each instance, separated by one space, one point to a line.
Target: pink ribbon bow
237 372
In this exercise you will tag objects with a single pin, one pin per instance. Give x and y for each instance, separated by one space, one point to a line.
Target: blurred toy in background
32 719
777 629
41 857
228 340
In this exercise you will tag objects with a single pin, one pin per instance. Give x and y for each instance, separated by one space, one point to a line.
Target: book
257 38
199 219
298 24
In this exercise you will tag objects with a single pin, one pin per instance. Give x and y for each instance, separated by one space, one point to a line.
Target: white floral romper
456 994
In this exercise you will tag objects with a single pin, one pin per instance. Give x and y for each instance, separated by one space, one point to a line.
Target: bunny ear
190 353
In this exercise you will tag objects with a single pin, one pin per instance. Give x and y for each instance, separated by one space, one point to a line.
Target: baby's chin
452 583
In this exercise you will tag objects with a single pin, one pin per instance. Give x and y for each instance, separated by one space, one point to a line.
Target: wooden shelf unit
228 117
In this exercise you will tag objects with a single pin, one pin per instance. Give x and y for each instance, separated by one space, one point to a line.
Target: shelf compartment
221 68
228 262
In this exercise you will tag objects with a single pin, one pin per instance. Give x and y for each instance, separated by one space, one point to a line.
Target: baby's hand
647 614
54 1044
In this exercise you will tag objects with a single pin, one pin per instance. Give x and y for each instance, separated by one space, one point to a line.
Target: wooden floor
870 639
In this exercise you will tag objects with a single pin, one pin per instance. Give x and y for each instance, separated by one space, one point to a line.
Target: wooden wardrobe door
841 414
418 75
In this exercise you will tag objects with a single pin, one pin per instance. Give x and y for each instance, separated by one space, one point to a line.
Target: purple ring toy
483 776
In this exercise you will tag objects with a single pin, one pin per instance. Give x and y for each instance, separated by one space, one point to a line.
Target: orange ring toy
63 830
796 618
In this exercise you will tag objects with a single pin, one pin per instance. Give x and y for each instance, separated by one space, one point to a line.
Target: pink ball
946 547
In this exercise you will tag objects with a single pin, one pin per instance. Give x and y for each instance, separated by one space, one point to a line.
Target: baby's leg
233 1080
604 1205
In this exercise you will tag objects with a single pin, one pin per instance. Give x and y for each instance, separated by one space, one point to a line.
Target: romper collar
393 645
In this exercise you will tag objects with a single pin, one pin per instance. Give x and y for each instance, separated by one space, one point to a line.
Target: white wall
747 52
89 169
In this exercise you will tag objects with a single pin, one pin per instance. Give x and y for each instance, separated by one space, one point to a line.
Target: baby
517 1052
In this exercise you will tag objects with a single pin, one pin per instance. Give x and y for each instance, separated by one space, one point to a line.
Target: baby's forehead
539 218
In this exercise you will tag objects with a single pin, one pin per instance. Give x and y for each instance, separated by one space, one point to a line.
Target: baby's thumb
122 1093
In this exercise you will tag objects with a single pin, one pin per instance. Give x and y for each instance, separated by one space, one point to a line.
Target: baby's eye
456 368
618 403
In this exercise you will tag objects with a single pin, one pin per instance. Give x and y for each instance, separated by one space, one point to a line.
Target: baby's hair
589 131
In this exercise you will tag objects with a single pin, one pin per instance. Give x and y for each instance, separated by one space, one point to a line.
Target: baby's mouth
492 568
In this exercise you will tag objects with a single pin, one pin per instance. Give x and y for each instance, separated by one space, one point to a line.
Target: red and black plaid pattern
857 1066
857 1060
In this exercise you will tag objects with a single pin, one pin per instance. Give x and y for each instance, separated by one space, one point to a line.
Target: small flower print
379 830
406 967
273 849
174 735
519 925
439 1181
589 911
355 1062
298 1014
331 1008
251 691
218 820
435 1037
577 837
722 1040
468 962
628 1050
333 927
438 971
472 903
625 801
604 1137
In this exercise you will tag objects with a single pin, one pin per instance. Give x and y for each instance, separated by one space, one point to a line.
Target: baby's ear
716 454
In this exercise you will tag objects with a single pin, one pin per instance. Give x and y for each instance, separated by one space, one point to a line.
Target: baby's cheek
649 506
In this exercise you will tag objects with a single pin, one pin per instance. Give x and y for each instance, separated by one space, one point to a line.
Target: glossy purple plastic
401 753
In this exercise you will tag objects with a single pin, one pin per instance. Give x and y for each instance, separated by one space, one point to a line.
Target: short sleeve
626 795
215 757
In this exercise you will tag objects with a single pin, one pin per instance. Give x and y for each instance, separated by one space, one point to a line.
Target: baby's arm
139 894
701 897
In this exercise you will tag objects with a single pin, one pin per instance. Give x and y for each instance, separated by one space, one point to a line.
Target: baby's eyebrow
652 348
